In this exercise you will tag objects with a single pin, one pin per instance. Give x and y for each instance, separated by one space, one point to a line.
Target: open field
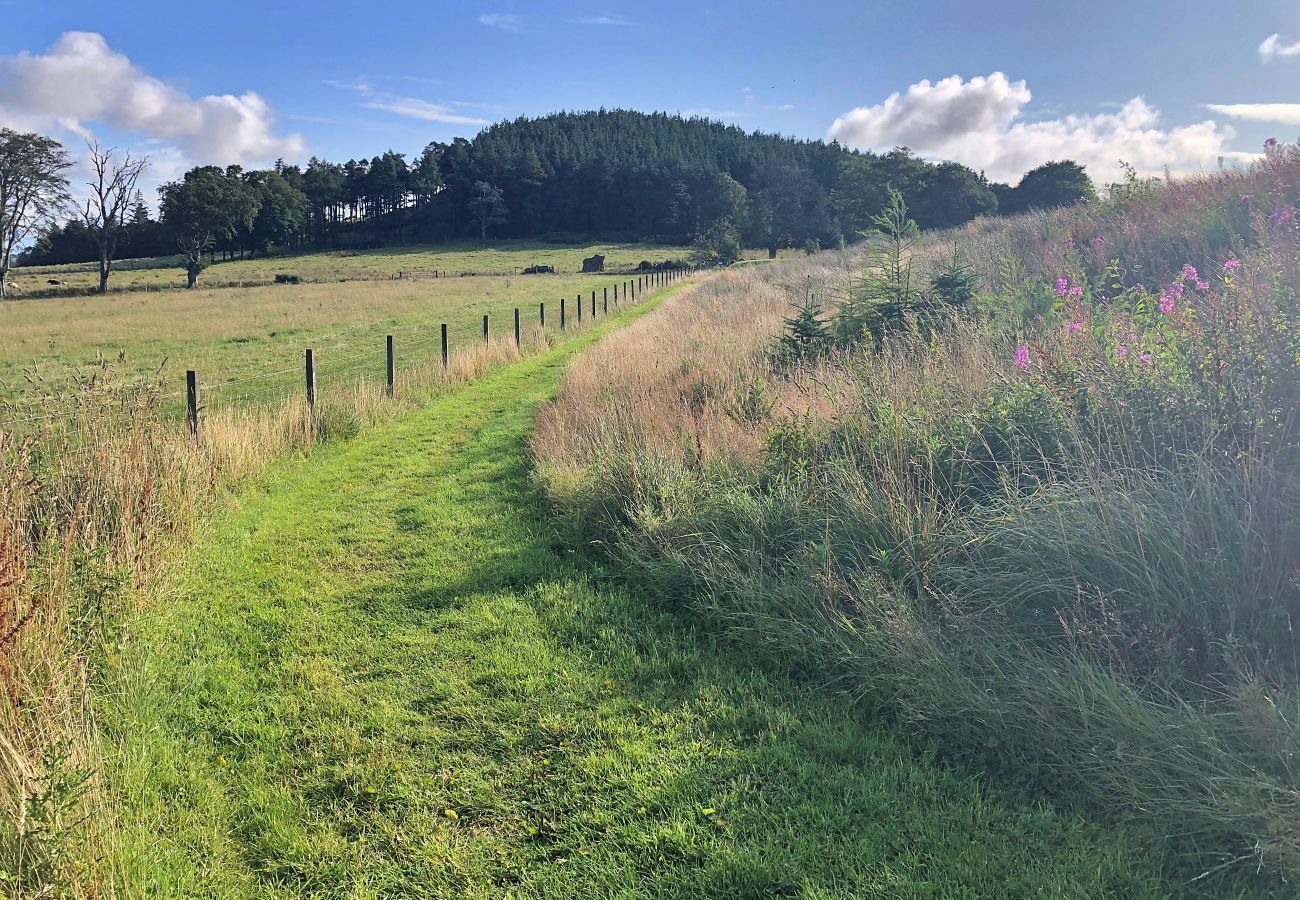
350 265
230 336
379 676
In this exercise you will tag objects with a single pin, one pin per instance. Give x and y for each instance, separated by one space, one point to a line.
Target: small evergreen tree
805 335
955 284
881 300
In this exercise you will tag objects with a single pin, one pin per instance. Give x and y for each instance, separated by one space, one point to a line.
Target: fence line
196 391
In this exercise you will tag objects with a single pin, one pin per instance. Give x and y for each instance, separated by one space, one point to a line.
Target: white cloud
505 21
410 107
1282 113
80 80
980 123
414 108
1275 45
603 19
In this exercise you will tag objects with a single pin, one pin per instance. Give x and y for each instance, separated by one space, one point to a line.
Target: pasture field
230 336
349 265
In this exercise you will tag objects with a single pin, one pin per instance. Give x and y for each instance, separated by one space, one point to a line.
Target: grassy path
382 678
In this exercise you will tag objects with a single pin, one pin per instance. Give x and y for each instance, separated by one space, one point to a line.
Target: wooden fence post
516 328
580 307
604 301
485 331
388 347
310 362
593 304
444 345
541 314
561 313
192 402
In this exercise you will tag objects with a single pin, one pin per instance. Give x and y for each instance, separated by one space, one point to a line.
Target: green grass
387 630
500 257
237 334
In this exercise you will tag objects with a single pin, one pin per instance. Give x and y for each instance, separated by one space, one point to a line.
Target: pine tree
806 335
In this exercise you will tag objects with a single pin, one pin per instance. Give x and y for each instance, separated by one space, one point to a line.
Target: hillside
607 175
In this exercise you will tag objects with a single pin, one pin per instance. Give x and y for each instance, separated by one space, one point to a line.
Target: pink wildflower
1076 291
1038 317
1283 215
1232 265
1076 325
1062 285
1176 290
1270 144
1022 357
1202 285
1097 242
1146 358
1166 304
1121 351
1189 272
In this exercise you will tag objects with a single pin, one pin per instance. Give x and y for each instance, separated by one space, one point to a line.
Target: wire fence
339 362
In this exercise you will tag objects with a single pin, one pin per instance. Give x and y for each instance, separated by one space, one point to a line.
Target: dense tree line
611 174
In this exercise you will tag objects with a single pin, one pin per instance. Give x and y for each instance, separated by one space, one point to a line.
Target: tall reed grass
1057 536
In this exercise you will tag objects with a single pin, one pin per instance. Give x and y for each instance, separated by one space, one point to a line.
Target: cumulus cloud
1282 113
80 80
1275 46
981 123
505 21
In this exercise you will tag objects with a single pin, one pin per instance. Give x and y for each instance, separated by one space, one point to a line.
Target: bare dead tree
33 190
112 192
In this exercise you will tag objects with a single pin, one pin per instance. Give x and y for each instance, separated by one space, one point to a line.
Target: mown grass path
383 678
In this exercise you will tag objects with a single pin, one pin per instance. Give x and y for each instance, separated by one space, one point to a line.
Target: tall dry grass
1063 551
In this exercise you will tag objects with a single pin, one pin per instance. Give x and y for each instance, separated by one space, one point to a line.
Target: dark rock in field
540 270
288 279
594 263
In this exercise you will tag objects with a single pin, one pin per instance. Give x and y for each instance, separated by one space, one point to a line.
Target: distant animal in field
594 263
540 270
55 281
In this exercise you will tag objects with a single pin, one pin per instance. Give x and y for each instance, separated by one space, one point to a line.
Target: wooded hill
608 174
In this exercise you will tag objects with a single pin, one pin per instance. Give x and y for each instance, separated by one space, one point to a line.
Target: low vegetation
1027 488
234 338
96 506
456 259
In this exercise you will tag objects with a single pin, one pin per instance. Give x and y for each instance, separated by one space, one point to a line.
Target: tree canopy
606 174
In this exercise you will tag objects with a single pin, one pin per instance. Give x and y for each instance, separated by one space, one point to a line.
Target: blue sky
1000 86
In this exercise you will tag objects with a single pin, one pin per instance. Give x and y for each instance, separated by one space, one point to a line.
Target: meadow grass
381 675
234 337
93 510
505 257
1051 532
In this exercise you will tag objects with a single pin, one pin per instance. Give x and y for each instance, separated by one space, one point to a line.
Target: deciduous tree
33 190
205 206
487 207
112 190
